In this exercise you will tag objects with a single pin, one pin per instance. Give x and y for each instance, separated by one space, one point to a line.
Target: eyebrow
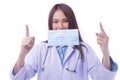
54 19
62 19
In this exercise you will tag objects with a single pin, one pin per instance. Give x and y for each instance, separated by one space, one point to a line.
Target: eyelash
57 21
65 20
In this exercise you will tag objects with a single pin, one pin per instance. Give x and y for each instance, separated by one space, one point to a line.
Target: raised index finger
101 28
27 31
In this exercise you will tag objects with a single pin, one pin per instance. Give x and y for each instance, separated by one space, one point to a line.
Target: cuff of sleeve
21 73
113 65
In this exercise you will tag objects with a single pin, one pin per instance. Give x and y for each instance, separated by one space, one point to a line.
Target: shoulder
85 45
89 53
40 46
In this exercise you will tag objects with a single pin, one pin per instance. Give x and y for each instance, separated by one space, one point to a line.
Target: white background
15 14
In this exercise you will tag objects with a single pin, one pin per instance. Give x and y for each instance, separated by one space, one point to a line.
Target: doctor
66 62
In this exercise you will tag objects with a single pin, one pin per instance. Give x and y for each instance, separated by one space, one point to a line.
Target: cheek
54 26
66 25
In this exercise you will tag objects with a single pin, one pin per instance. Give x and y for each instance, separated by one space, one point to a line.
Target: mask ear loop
42 66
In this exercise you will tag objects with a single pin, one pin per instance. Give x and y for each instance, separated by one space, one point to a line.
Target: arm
27 44
96 69
102 40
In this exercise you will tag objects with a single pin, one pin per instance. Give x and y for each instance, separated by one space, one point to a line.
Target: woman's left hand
102 40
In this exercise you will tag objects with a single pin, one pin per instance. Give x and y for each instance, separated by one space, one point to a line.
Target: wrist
106 53
20 61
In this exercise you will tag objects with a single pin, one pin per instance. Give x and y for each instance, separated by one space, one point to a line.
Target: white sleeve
30 66
19 76
96 69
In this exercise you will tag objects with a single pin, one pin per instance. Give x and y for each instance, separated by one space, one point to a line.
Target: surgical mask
63 37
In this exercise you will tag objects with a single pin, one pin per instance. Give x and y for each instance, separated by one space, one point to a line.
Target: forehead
59 14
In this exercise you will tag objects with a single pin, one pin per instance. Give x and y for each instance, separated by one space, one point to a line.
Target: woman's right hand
27 43
26 46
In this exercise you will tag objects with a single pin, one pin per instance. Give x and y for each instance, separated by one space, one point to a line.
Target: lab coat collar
69 52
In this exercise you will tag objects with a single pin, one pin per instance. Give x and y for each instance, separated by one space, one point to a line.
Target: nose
60 25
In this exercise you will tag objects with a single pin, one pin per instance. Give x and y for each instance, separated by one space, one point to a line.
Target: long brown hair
70 17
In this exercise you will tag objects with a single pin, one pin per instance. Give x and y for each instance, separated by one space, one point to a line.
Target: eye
54 21
65 20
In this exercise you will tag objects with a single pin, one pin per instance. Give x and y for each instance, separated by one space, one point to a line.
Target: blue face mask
63 37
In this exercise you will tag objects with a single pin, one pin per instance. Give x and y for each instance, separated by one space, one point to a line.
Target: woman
76 62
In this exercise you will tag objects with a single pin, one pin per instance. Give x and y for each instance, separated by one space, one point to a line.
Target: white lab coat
55 70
